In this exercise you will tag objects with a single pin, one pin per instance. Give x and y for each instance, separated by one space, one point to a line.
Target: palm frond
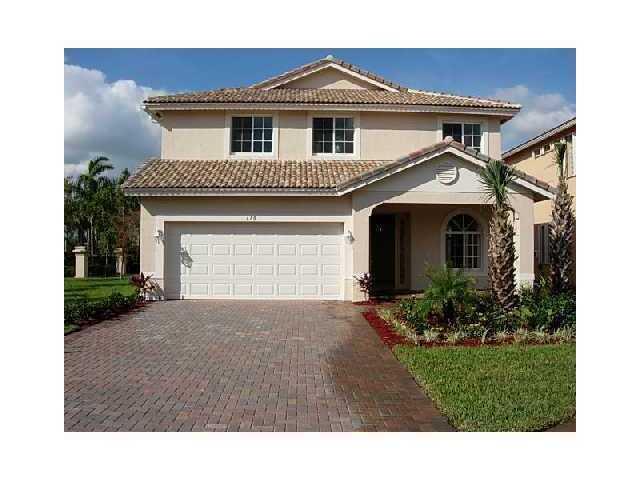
496 177
560 149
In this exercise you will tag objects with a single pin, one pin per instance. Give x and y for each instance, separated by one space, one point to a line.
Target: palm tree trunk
502 259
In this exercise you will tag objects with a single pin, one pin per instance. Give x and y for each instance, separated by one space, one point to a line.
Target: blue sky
100 82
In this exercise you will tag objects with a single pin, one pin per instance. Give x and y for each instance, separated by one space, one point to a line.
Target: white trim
500 112
229 192
336 67
484 131
333 156
484 232
228 155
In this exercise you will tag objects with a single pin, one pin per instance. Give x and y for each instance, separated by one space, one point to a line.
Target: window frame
466 235
481 270
334 140
228 145
484 130
311 115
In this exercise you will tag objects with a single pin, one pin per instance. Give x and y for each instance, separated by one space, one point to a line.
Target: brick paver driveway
240 366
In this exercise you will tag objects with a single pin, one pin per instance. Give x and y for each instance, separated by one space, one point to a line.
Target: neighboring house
288 188
537 157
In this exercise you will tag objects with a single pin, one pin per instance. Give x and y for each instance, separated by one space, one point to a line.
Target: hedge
83 311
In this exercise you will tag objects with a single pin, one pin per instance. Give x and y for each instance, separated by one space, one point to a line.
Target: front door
383 251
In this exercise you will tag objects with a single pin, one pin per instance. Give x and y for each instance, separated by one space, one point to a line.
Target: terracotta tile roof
329 96
299 71
569 124
247 174
331 176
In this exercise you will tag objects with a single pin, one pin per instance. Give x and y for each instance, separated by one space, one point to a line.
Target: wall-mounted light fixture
348 237
159 236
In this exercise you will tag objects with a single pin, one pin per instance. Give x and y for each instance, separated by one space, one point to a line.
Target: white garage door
255 260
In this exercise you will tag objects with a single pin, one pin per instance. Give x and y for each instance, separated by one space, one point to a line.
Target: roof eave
215 192
532 142
506 113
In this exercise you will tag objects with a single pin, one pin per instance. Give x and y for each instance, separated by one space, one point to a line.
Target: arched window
463 242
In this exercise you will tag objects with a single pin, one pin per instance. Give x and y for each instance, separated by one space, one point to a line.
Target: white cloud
74 169
102 118
539 112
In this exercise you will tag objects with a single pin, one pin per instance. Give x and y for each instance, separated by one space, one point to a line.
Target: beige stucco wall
330 78
155 212
383 135
544 167
192 135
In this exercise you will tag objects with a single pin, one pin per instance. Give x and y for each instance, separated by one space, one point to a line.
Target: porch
405 238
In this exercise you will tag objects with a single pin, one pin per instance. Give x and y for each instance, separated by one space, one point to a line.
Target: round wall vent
447 173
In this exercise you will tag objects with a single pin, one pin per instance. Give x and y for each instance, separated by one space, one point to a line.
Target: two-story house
289 187
537 157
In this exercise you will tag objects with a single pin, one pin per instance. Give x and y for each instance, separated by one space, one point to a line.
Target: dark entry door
383 251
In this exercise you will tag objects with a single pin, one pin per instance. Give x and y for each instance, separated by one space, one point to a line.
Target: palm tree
496 178
563 225
89 183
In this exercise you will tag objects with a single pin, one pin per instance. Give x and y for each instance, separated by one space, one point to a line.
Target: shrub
81 311
484 311
539 308
502 336
392 317
414 312
473 330
540 335
386 314
564 335
449 293
521 335
454 336
432 335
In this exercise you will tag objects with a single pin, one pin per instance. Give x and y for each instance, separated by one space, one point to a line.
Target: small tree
496 178
563 225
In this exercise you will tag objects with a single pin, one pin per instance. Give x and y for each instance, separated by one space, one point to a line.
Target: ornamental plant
365 283
143 284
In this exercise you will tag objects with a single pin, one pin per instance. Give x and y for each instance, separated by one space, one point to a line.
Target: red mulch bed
384 331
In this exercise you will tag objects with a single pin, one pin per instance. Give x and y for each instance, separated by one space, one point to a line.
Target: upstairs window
252 135
469 134
543 150
332 135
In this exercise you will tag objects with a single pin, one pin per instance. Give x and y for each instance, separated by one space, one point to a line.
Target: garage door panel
280 260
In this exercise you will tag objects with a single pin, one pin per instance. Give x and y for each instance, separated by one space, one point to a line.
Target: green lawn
95 288
510 388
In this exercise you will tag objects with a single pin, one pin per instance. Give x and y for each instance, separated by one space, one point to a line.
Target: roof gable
541 190
349 73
